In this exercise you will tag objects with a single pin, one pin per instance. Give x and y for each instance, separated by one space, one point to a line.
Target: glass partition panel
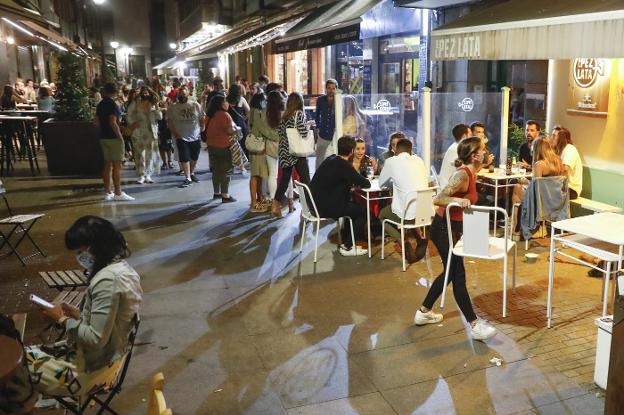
451 108
374 117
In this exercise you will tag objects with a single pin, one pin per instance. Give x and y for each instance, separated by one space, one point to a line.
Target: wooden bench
61 280
73 297
594 206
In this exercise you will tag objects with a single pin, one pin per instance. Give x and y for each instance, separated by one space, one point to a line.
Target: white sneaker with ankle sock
109 196
420 319
482 330
141 180
148 179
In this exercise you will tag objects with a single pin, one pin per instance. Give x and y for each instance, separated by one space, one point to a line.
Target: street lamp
114 44
99 2
172 46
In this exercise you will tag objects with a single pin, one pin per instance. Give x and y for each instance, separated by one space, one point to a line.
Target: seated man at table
331 190
408 174
460 131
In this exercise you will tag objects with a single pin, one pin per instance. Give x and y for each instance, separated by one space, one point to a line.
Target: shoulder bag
298 145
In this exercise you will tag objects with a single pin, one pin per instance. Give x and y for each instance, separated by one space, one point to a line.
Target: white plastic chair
305 196
423 215
477 242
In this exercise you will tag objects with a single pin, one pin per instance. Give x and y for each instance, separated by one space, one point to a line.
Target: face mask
86 260
182 98
480 157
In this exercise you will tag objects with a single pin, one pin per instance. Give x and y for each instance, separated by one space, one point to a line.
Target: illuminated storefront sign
457 47
589 87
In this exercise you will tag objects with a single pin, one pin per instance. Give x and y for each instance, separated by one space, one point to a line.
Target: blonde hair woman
545 163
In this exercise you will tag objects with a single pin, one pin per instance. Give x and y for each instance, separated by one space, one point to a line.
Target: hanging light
10 40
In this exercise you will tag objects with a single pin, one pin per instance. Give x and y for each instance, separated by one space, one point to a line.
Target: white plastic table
366 195
500 180
588 231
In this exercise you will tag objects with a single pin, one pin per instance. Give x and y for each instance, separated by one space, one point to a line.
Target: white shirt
448 165
185 119
408 174
571 158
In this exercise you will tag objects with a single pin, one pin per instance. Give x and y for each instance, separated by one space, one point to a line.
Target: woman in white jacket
143 116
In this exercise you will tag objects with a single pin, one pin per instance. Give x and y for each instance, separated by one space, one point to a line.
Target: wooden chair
157 404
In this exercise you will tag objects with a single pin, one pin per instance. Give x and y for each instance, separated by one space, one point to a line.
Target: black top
106 108
331 185
524 153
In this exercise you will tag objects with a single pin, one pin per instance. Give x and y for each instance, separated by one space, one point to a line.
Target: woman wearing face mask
462 189
143 116
97 333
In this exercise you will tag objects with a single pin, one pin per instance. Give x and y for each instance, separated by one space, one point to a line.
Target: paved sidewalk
239 322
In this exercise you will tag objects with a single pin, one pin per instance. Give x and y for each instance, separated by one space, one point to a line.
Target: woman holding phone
97 333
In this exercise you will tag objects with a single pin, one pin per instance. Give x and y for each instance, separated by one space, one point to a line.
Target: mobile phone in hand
40 301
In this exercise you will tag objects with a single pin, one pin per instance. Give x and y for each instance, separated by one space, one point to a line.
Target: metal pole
338 115
504 124
426 115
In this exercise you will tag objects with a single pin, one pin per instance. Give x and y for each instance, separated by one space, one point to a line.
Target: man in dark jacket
331 189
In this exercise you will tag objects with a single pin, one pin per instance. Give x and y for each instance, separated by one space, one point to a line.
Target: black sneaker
194 178
186 183
217 196
227 199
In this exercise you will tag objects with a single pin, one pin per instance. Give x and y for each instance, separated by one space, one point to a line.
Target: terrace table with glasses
25 143
600 235
375 192
499 180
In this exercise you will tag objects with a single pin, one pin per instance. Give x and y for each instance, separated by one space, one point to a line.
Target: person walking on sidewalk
462 189
325 121
186 122
143 116
219 129
107 116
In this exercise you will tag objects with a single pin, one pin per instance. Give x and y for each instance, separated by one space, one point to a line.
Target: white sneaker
123 197
148 179
482 330
420 319
354 251
141 180
109 196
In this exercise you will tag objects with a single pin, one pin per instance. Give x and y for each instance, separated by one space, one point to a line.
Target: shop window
353 68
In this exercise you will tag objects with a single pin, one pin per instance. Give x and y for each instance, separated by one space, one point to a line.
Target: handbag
300 146
254 143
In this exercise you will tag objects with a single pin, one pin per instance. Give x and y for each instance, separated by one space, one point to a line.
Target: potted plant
70 139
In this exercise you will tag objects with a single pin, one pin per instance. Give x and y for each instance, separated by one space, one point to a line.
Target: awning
534 29
168 64
12 9
328 25
250 28
49 34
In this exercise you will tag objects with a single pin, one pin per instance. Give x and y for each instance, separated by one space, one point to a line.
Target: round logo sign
587 70
383 105
466 104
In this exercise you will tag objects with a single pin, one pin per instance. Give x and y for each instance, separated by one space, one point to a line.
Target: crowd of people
28 92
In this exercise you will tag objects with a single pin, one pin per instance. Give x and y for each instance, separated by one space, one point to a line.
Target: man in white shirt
408 174
460 131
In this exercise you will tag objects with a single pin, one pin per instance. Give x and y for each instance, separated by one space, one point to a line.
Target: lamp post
114 44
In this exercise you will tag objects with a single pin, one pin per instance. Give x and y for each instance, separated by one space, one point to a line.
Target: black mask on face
182 98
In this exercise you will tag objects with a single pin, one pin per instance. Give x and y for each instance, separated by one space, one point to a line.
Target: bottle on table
508 167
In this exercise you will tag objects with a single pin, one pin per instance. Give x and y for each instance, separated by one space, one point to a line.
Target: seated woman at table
545 163
10 99
394 139
462 189
44 101
97 334
362 163
562 143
